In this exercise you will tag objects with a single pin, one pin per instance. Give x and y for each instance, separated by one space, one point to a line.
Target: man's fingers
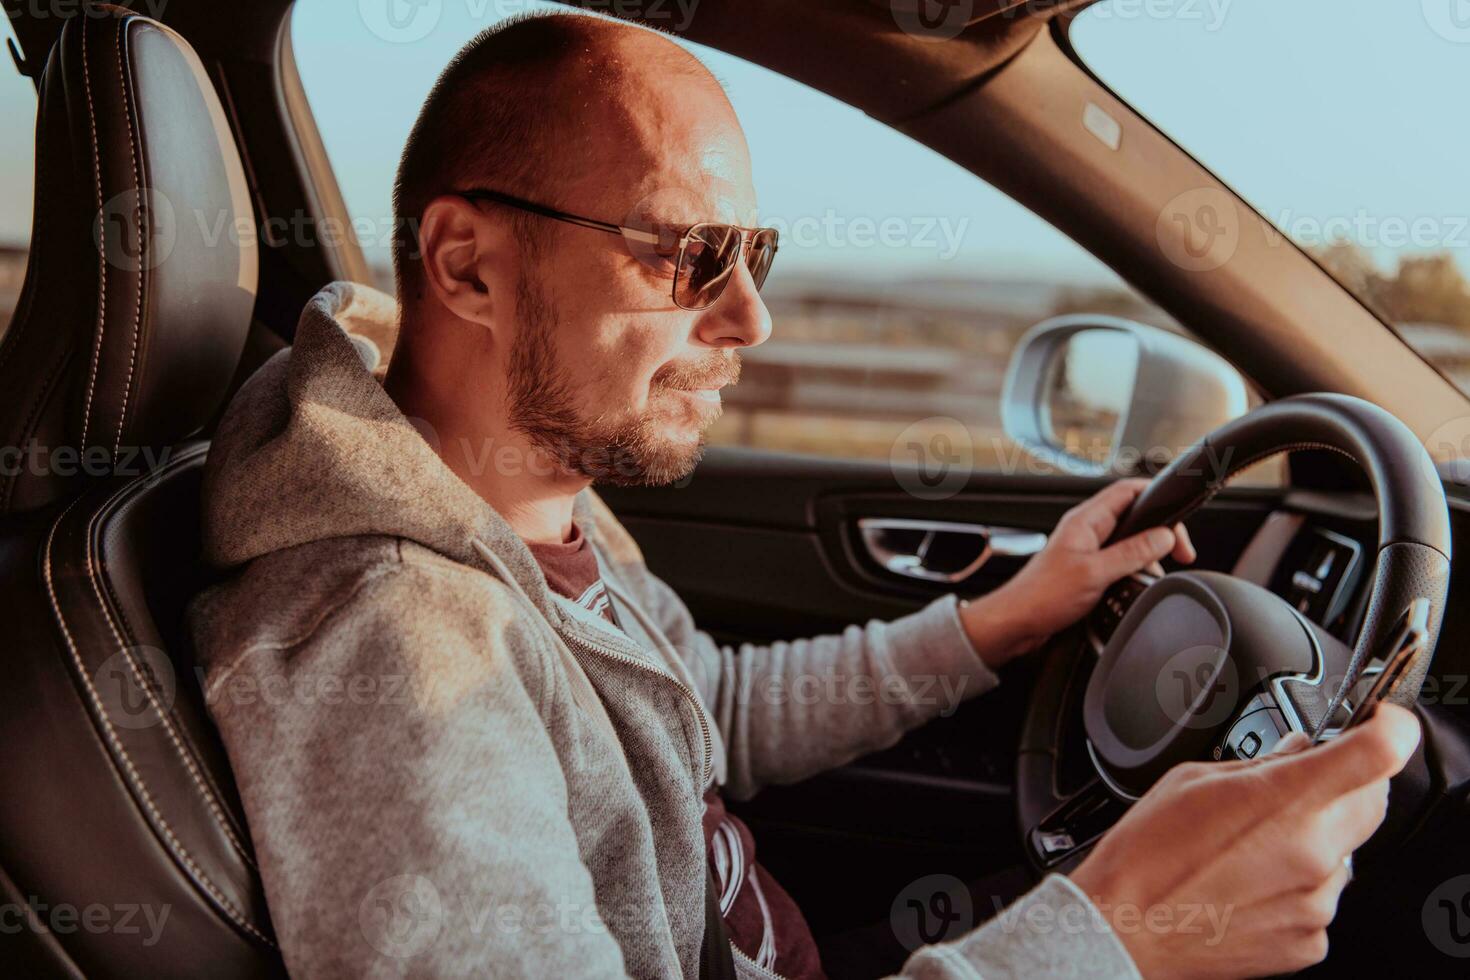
1373 751
1184 551
1312 907
1290 742
1132 554
1101 511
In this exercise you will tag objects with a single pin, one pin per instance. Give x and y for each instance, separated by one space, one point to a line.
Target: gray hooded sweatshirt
450 771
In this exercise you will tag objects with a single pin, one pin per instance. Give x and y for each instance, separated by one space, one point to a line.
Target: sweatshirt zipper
570 641
741 955
709 745
578 642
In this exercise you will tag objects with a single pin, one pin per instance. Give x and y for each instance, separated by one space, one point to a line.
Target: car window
17 179
902 284
1330 118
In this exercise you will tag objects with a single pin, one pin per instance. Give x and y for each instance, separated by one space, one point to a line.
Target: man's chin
664 466
644 454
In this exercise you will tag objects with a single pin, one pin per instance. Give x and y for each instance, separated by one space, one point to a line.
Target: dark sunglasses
703 256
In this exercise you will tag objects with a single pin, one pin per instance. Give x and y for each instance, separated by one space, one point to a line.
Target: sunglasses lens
708 259
762 254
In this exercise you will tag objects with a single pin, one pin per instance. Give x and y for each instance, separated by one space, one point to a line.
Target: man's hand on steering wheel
1063 581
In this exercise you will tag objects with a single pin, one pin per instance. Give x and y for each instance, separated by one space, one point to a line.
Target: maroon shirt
763 921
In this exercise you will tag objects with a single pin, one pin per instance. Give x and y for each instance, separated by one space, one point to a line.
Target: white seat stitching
112 739
143 243
184 755
101 237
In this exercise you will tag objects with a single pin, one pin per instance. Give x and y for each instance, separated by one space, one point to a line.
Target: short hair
494 119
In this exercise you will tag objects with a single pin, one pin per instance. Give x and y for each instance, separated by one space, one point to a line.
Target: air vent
1317 574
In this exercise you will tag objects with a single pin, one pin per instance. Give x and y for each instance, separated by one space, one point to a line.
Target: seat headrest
142 271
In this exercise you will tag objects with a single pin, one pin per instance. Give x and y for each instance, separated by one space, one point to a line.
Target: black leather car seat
117 801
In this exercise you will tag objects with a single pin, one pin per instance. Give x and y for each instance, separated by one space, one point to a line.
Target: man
473 734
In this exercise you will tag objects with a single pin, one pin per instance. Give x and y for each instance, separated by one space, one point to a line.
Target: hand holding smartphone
1408 640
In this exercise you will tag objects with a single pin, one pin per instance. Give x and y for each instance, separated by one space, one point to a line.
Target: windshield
1335 120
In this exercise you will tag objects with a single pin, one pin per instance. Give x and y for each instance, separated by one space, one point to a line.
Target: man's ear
466 259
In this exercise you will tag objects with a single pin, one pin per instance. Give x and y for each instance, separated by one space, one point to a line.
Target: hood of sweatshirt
312 448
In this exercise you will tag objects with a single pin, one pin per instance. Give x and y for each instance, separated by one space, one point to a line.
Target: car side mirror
1095 394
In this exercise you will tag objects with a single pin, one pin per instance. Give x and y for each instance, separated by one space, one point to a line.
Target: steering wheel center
1190 654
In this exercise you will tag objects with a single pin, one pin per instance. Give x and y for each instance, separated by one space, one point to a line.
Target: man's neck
510 474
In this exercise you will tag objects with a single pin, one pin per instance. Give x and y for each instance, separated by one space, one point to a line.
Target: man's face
606 373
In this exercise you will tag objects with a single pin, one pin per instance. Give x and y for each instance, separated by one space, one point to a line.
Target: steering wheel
1203 665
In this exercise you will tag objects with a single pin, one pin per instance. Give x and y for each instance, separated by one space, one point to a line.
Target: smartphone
1408 640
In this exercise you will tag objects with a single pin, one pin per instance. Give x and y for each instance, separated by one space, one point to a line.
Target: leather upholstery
118 797
142 268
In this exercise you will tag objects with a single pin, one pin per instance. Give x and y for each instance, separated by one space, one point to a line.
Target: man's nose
739 318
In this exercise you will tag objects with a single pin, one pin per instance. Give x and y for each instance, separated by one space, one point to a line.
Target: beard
609 447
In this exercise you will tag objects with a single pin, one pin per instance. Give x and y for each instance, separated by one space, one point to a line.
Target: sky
1324 114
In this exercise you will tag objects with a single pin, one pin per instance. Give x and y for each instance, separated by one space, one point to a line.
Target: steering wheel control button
1116 602
1256 733
1057 842
1249 746
1076 824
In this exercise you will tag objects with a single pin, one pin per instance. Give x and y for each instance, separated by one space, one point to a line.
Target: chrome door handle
942 551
